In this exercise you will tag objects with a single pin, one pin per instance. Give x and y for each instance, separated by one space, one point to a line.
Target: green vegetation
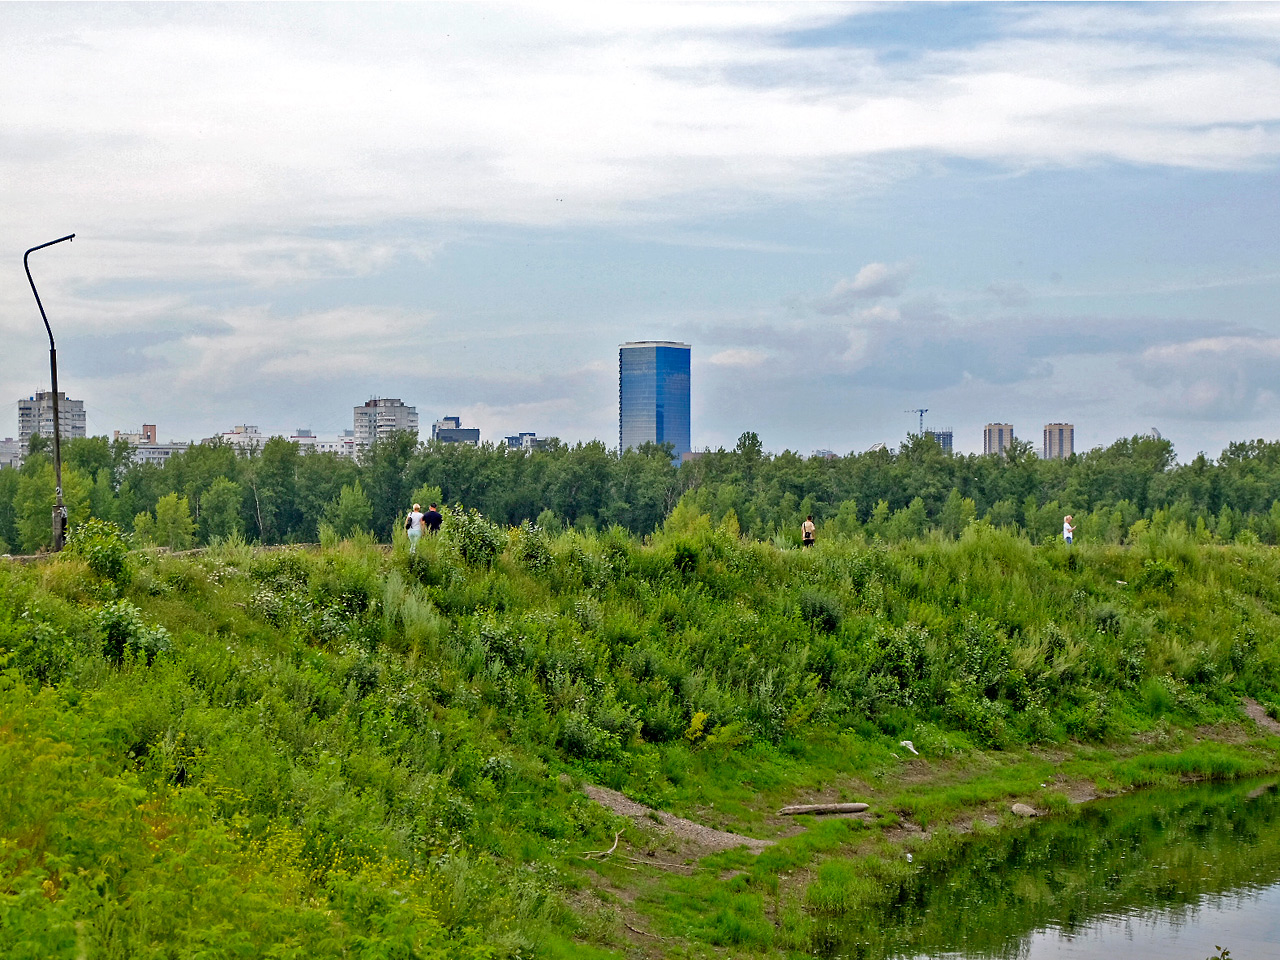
354 752
1120 494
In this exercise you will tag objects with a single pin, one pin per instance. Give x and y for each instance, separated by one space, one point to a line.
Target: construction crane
922 411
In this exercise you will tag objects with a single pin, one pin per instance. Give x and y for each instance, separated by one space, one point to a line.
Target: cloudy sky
996 212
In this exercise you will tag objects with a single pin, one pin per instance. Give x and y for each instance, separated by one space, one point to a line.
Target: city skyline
1045 212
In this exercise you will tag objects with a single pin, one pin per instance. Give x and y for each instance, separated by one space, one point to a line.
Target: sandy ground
692 840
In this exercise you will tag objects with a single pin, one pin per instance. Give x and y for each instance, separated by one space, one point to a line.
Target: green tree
957 513
174 527
220 510
351 512
908 522
384 474
8 517
33 503
144 529
271 478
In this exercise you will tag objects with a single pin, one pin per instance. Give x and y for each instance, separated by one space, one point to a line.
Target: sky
996 212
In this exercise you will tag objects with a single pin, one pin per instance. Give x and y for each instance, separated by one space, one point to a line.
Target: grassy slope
344 753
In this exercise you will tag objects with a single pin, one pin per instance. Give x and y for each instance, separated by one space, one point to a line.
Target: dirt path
694 839
1258 714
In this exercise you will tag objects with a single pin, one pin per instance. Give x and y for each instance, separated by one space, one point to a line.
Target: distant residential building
380 417
35 415
528 441
305 439
1059 440
653 395
11 453
344 445
451 430
823 455
944 438
245 437
997 437
147 448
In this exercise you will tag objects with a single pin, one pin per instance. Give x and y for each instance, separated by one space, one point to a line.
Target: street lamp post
59 508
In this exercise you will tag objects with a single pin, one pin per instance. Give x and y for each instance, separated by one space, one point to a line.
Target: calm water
1161 874
1247 923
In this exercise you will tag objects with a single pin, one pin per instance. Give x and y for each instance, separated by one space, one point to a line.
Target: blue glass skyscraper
653 394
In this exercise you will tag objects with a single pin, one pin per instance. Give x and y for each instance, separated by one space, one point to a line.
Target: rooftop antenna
922 411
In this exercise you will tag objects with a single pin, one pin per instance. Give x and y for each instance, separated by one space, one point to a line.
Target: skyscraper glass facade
653 394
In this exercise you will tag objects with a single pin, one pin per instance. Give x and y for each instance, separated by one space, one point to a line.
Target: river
1167 874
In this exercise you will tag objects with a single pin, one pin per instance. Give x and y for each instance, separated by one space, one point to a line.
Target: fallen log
822 808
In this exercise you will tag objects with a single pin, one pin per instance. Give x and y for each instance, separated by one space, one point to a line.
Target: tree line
279 494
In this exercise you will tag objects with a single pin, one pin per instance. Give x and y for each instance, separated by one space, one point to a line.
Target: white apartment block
148 449
343 445
996 438
35 415
244 437
1059 440
380 417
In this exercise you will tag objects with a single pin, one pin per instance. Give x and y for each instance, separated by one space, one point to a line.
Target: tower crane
922 411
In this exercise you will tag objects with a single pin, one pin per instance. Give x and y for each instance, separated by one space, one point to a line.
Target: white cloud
739 357
873 281
1225 377
199 148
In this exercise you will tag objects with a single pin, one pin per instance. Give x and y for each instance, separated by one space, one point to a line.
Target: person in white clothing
1067 529
413 527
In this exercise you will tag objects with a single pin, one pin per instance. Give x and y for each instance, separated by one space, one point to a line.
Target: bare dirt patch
1258 714
691 840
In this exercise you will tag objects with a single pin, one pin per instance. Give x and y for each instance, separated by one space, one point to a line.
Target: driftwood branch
822 808
601 854
641 932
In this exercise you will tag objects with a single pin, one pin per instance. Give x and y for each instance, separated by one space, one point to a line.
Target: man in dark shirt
432 520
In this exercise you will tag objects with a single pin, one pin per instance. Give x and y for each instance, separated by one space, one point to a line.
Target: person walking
433 519
808 530
1067 529
413 527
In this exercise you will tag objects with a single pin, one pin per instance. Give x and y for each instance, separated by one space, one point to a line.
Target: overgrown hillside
359 753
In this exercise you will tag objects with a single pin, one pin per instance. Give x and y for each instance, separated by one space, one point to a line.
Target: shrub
1156 575
820 609
104 547
580 737
530 548
477 541
124 631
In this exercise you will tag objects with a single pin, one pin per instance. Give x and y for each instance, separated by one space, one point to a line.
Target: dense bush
365 723
104 547
124 631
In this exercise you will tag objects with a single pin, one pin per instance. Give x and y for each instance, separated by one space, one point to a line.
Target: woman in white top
413 527
1067 529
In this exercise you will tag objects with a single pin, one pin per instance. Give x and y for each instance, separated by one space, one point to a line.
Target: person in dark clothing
432 520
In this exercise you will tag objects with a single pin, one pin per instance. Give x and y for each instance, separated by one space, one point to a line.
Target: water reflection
1157 874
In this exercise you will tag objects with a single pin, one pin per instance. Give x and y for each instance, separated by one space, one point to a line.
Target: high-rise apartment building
943 438
997 438
35 415
653 395
1059 440
380 417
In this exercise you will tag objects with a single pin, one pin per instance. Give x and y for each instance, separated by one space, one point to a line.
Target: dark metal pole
59 508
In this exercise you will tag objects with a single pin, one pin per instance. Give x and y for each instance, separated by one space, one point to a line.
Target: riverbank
661 893
345 749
